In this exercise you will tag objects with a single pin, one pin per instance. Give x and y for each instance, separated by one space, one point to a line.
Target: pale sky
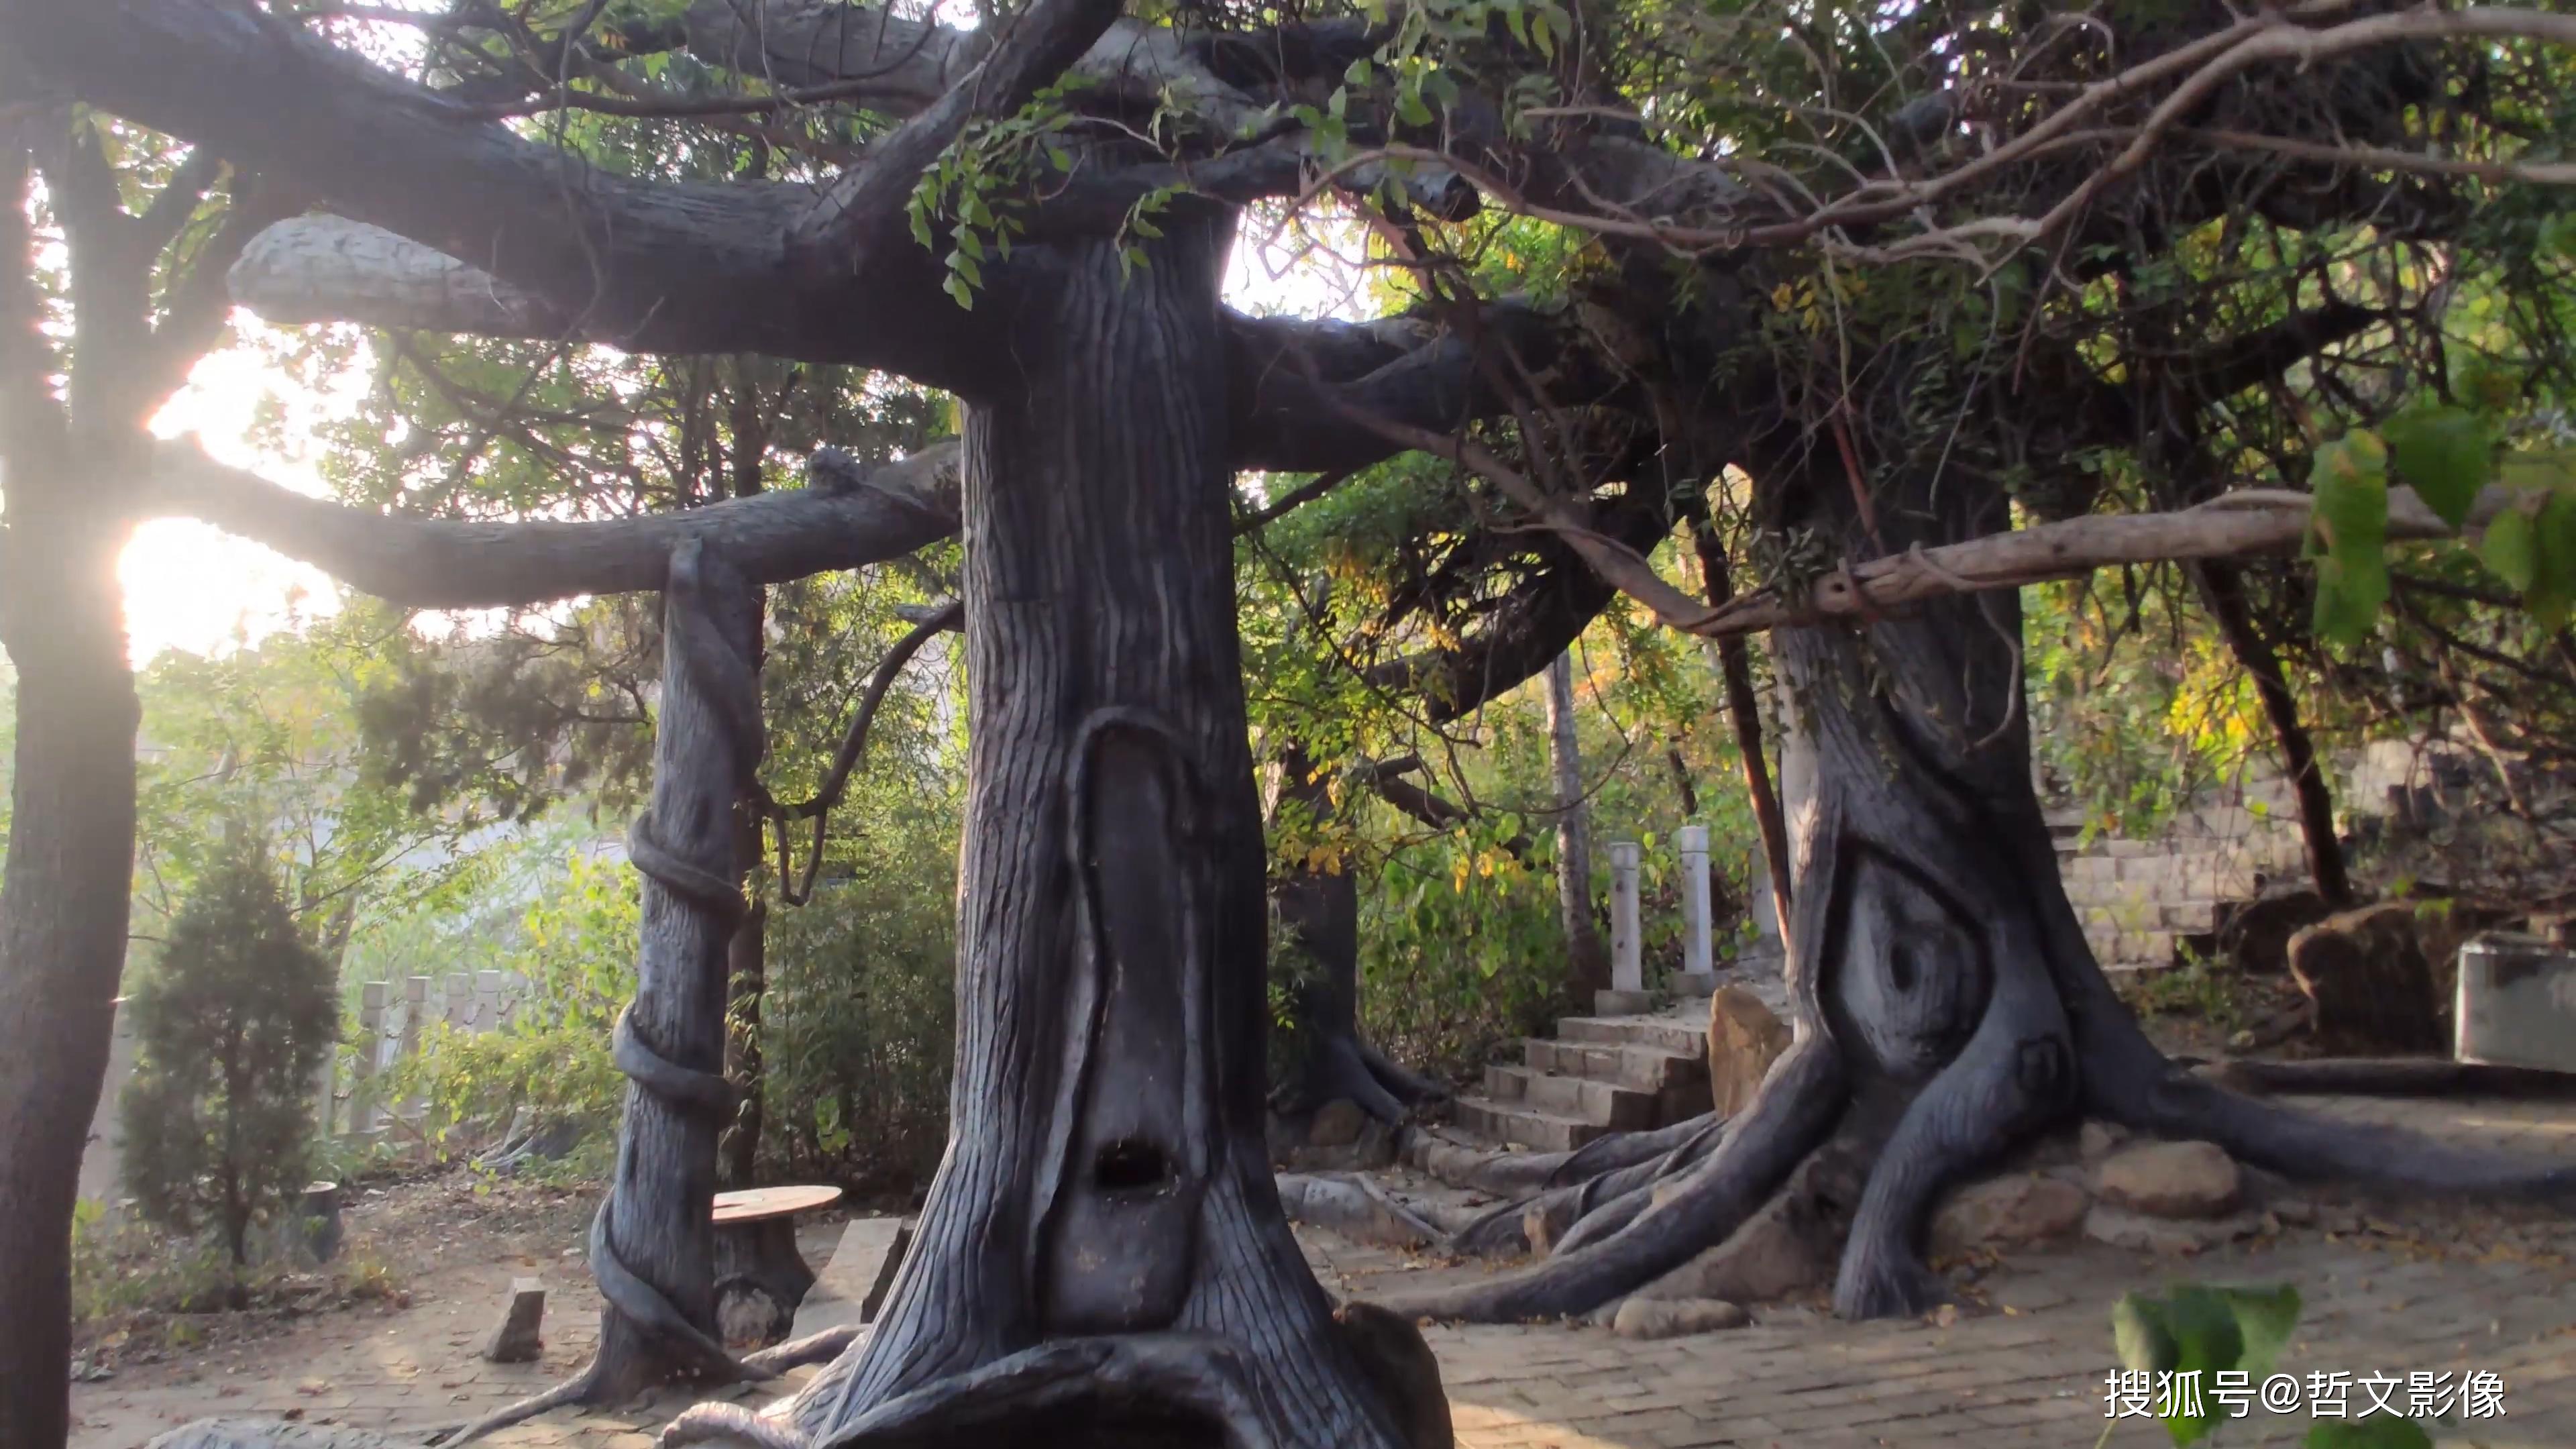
189 586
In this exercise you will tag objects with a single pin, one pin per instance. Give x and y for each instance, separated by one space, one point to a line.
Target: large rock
1744 1039
1676 1317
2170 1180
1391 1351
2373 989
519 1336
2256 938
2176 1237
2007 1212
1792 1245
1338 1123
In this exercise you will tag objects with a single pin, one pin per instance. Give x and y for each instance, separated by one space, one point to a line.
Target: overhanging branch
846 518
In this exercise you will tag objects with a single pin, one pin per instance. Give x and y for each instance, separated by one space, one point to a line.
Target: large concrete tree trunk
62 919
1102 1257
1946 1004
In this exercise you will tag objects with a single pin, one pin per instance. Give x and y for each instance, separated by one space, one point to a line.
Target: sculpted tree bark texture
1103 1253
1319 915
652 1245
1946 1004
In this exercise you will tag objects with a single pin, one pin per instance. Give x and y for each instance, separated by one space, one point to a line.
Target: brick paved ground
2390 1289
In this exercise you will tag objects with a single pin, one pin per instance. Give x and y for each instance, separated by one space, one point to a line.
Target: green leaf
1410 109
2139 1329
2264 1319
2206 1340
2553 584
2349 536
2445 454
2512 548
2379 1431
956 287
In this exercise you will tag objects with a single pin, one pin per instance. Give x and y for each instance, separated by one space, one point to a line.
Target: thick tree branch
863 210
1286 374
847 517
655 266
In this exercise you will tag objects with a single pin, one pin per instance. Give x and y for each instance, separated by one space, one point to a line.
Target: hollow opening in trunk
1131 1167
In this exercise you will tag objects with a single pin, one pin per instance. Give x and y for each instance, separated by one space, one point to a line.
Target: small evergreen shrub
230 1027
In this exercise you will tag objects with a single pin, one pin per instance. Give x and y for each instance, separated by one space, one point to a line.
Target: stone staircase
1600 1074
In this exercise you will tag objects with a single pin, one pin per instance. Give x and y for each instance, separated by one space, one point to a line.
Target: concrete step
1652 1068
1603 1104
1528 1126
1672 1033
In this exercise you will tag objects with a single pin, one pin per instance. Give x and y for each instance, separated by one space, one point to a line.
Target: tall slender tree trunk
1744 711
1102 1258
2222 592
652 1247
63 916
1587 957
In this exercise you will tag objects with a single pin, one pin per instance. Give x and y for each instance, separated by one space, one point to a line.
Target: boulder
1391 1351
1676 1317
1769 1258
2178 1237
1744 1039
2098 1139
2256 936
2008 1212
2170 1180
2373 989
1338 1123
518 1337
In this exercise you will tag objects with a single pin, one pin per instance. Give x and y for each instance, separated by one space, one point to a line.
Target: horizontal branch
2243 524
846 517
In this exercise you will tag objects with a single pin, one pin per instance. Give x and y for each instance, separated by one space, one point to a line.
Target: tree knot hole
1131 1167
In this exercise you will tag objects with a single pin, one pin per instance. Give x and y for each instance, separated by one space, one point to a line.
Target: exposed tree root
1357 1208
2396 1077
1143 1389
1796 1107
579 1389
1597 1204
2301 1145
822 1347
1343 1066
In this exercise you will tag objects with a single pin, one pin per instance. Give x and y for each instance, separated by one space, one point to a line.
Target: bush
1461 952
229 1031
859 1021
577 953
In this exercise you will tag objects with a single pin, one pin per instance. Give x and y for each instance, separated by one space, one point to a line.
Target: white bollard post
371 1045
487 1001
1697 952
460 1000
102 1166
1627 968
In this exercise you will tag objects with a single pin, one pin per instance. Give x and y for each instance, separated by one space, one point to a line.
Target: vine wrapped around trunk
652 1243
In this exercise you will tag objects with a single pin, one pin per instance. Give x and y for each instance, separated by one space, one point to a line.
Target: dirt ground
446 1248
